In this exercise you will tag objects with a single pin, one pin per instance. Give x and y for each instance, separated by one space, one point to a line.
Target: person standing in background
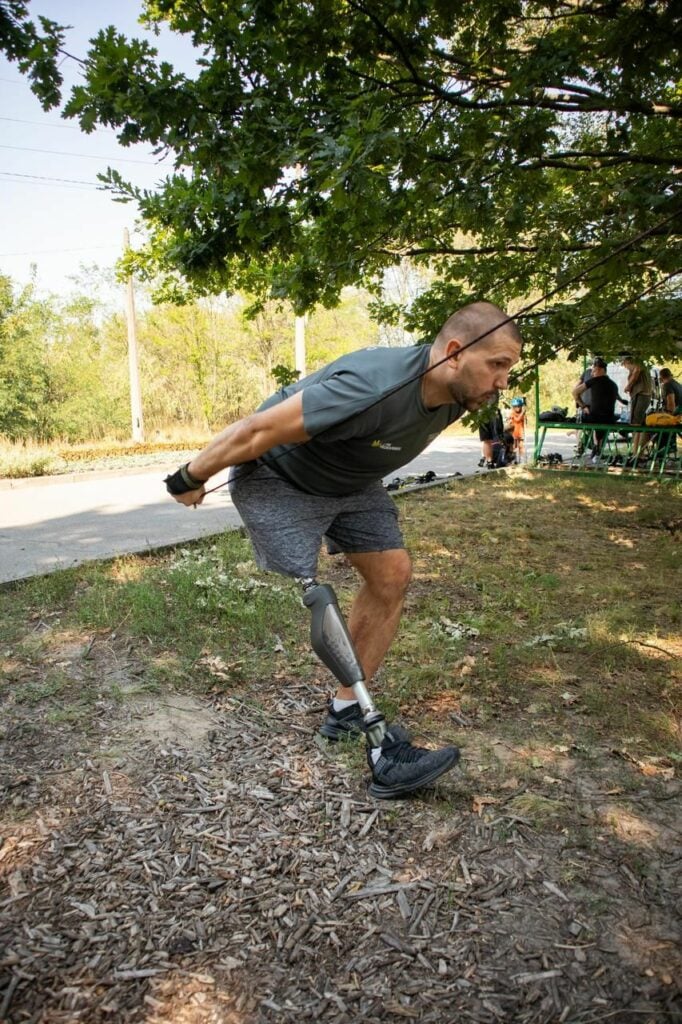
639 387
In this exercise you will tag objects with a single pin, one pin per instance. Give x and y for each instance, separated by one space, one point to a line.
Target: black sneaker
402 767
347 723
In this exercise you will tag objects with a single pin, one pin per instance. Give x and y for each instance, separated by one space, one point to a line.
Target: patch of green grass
71 715
138 688
34 692
539 810
650 727
43 593
351 752
57 696
138 606
42 600
205 597
577 558
555 552
164 670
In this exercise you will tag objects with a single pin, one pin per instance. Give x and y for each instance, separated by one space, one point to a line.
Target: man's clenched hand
191 498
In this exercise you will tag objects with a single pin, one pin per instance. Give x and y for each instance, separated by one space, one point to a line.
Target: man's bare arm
633 377
250 437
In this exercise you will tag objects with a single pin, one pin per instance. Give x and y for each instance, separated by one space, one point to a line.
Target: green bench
659 455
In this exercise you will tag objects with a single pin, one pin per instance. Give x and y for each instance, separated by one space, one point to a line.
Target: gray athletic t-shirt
363 426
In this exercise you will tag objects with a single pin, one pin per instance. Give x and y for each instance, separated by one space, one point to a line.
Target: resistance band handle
182 481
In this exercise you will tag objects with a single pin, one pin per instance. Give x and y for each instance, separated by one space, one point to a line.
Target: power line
55 124
519 377
43 177
82 156
48 184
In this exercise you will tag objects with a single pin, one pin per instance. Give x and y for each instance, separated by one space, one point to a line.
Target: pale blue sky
61 224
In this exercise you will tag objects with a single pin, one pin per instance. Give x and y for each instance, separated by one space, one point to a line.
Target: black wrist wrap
182 481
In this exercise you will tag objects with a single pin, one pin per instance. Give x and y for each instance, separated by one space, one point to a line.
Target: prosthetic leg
333 645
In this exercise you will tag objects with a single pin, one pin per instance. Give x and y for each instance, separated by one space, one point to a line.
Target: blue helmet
516 402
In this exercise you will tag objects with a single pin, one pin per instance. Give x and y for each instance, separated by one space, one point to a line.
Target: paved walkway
53 523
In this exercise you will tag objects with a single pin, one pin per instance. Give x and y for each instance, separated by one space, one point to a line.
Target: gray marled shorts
286 526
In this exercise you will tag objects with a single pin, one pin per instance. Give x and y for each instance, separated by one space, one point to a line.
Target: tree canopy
33 48
507 145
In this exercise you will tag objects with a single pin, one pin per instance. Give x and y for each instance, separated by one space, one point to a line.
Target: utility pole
299 327
133 370
299 345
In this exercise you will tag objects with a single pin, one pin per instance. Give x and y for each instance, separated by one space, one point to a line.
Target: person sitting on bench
603 397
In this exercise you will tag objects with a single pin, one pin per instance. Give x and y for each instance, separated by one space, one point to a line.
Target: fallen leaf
216 666
479 802
555 890
655 770
17 886
654 767
457 630
440 837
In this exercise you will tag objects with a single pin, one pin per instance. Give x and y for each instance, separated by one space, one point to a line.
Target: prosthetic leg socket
333 645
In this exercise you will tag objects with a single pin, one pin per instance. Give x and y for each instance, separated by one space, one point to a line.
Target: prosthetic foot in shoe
345 724
402 768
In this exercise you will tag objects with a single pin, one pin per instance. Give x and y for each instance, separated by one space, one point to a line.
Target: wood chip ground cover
192 855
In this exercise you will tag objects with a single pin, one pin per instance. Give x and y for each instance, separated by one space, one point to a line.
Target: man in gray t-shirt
308 465
364 421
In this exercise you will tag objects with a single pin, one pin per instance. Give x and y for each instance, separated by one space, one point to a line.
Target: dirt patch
178 719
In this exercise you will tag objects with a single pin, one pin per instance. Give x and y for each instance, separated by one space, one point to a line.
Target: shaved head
476 319
472 357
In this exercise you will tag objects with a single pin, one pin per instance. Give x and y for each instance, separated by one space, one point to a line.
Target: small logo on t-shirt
386 446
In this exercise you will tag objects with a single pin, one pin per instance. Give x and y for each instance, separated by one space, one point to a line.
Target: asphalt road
52 523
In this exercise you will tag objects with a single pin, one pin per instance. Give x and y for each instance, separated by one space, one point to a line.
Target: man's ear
453 348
